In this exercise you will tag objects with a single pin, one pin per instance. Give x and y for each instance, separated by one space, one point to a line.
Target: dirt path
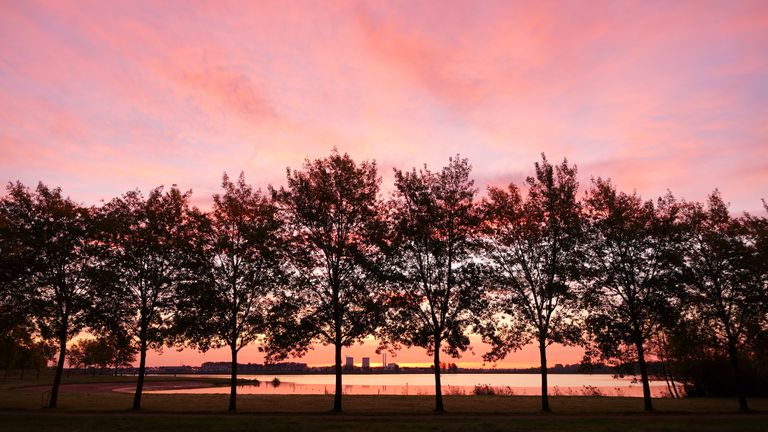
126 387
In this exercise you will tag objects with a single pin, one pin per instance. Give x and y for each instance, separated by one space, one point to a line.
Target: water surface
423 384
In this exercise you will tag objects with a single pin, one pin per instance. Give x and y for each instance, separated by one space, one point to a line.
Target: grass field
21 400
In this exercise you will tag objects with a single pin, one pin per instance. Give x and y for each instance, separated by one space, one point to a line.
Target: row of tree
325 259
107 351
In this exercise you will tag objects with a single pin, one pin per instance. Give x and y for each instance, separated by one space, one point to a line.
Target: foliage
333 243
49 239
720 280
436 284
228 303
533 247
147 248
91 352
325 260
633 261
20 350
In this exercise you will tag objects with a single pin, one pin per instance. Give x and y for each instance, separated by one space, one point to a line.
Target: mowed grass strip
54 422
491 405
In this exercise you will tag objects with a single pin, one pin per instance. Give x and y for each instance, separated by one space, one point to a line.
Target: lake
423 384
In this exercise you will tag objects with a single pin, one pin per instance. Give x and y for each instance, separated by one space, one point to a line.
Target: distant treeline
327 259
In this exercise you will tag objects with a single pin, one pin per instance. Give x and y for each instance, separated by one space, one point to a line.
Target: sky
103 97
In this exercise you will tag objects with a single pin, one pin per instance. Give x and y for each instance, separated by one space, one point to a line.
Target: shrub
483 390
589 390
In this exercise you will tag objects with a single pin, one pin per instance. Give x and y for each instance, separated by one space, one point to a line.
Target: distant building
366 362
216 367
226 367
174 369
281 367
350 363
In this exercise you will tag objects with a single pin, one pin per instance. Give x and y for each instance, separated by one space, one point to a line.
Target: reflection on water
423 384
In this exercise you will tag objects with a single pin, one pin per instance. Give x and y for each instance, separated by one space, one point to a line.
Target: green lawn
20 410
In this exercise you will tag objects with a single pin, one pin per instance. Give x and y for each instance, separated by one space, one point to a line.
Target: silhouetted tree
533 247
659 347
91 352
229 303
436 287
756 231
15 259
123 349
21 349
721 280
147 250
16 323
54 234
332 214
691 354
633 263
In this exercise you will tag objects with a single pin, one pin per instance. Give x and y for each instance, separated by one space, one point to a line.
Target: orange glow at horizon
410 357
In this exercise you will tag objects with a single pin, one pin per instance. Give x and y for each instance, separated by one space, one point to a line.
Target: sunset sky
100 97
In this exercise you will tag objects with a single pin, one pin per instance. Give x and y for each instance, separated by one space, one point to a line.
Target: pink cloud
103 97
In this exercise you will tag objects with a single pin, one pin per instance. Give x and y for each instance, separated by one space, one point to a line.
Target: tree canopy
632 264
332 213
228 302
436 281
533 246
660 287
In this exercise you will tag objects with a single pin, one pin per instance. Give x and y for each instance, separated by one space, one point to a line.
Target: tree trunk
674 385
544 386
438 386
142 368
233 382
338 314
337 395
665 369
59 369
666 379
647 403
668 368
733 353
